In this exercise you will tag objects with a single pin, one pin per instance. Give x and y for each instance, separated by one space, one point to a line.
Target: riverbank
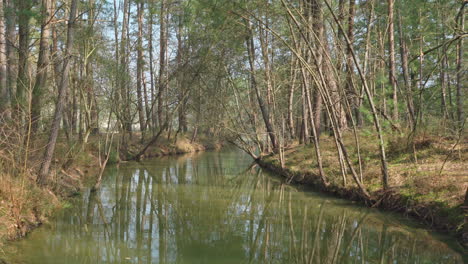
25 206
431 190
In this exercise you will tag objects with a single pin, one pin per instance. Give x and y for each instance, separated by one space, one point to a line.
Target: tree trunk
406 75
332 85
305 111
392 68
460 71
63 88
147 103
162 62
180 80
292 86
154 119
93 124
12 64
4 93
263 107
22 84
42 64
443 87
365 65
350 89
141 116
123 78
317 20
375 116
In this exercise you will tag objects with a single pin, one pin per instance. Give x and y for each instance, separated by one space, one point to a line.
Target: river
215 207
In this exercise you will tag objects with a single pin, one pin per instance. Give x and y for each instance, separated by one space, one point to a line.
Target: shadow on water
216 208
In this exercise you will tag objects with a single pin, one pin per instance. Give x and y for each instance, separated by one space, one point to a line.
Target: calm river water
214 207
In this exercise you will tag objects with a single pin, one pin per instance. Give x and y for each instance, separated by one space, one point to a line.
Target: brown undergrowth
427 181
165 146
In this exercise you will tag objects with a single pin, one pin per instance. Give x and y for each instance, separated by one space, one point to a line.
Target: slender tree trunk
317 20
54 54
391 62
22 84
42 63
332 85
305 111
365 66
11 56
180 79
264 44
123 77
460 72
154 119
315 137
93 125
49 151
350 89
292 86
449 90
162 62
406 75
339 38
128 82
378 128
263 107
4 93
117 91
443 87
141 116
147 103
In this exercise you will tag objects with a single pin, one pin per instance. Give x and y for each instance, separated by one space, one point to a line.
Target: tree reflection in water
215 208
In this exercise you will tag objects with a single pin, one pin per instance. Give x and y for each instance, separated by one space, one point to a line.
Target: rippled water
215 207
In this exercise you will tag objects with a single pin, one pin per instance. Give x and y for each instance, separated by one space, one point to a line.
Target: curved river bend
214 207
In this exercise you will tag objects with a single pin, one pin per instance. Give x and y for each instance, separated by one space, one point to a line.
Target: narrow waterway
215 207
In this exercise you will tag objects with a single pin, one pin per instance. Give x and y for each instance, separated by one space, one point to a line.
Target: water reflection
215 208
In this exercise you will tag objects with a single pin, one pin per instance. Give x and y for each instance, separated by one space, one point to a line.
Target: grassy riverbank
24 205
429 183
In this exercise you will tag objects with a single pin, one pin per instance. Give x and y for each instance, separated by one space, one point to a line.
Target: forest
366 98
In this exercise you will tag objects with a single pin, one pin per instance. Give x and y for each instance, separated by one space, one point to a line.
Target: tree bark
392 68
406 76
123 78
292 86
154 119
63 88
460 71
141 115
180 79
317 20
263 107
11 57
162 62
42 64
378 128
350 89
4 93
22 83
93 120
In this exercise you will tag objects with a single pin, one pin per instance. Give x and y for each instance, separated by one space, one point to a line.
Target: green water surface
215 207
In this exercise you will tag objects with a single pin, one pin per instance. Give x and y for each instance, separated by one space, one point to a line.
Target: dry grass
440 174
23 205
431 188
182 145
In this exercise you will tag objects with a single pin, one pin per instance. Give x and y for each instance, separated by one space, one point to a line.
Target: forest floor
431 188
24 205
